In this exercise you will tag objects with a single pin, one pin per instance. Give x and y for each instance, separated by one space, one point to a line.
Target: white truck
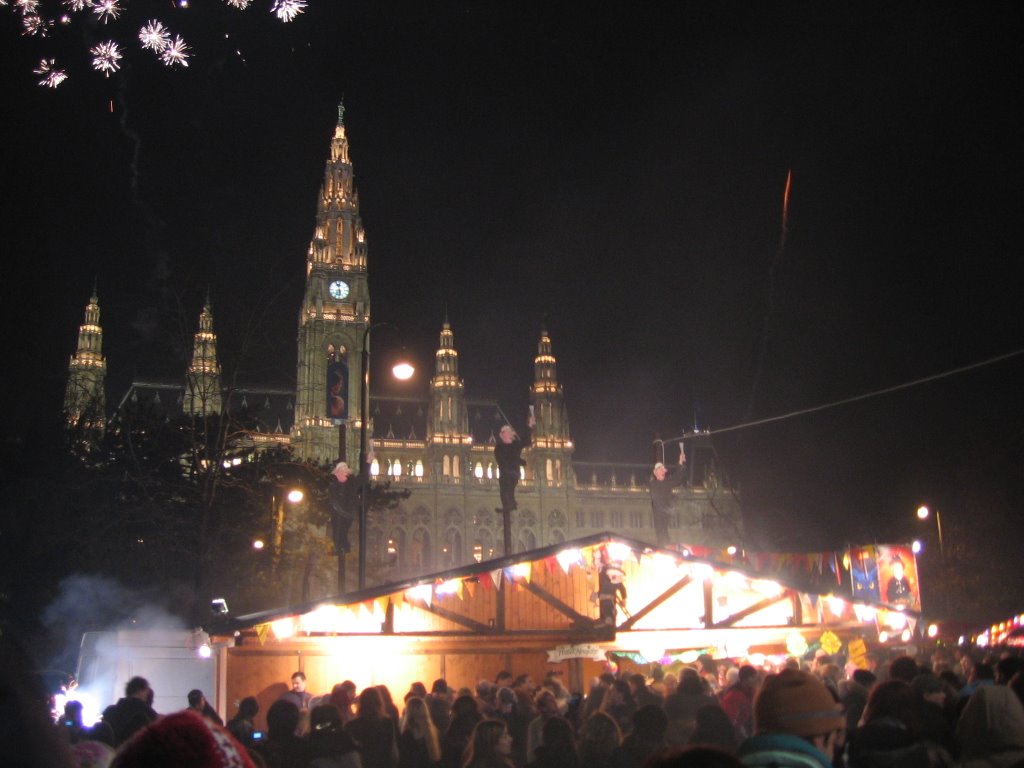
173 661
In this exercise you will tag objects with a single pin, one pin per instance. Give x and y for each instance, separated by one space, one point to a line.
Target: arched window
446 465
456 472
418 469
478 471
396 553
527 540
483 547
453 548
419 550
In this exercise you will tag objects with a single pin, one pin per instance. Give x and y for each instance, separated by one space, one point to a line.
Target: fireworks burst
106 57
37 19
176 53
36 25
107 10
154 36
286 10
49 75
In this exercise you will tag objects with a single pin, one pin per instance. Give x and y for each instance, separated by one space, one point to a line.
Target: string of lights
853 399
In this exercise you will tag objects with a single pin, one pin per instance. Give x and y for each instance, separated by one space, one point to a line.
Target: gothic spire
203 394
552 427
84 400
449 420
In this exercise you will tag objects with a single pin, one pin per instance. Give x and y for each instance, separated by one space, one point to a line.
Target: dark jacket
661 490
128 716
412 752
508 455
634 752
343 498
375 737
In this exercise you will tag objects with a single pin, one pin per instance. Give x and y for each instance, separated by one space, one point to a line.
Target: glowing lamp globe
403 371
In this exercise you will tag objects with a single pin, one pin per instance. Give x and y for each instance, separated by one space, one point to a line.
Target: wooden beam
628 623
499 605
455 618
557 604
760 605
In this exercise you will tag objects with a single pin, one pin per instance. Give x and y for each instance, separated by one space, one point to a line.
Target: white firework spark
27 7
286 10
50 76
239 4
107 9
106 57
176 53
77 5
154 36
34 24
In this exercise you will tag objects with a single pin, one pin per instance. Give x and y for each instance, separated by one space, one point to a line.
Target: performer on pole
343 501
661 484
508 456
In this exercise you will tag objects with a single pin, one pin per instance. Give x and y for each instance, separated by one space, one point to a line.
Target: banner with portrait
897 577
337 391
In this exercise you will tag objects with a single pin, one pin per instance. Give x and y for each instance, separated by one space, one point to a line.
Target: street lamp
923 513
402 371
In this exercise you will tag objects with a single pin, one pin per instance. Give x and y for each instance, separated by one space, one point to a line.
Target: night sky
615 172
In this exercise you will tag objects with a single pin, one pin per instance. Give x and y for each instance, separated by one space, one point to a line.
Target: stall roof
793 572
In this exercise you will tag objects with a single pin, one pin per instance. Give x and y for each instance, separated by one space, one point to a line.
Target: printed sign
585 651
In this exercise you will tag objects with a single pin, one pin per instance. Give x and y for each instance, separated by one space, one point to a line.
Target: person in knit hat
797 723
184 738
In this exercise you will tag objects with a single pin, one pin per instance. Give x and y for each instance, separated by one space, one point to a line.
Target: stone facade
439 447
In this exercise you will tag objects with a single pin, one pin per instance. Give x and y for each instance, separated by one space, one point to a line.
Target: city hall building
440 448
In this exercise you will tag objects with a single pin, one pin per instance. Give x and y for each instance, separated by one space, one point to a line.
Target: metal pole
506 526
342 438
364 469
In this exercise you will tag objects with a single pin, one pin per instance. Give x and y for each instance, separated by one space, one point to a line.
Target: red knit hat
798 703
184 738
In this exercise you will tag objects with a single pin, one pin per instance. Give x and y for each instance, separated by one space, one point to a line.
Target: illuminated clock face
338 289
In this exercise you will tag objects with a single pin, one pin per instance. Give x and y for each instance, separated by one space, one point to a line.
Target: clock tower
334 316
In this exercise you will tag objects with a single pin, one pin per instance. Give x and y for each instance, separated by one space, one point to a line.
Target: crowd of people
947 711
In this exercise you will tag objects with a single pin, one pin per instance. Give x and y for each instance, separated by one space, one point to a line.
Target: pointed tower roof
203 379
84 399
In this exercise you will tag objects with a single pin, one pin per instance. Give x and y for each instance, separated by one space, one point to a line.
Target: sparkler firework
286 10
106 57
154 36
50 76
38 18
107 10
175 53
